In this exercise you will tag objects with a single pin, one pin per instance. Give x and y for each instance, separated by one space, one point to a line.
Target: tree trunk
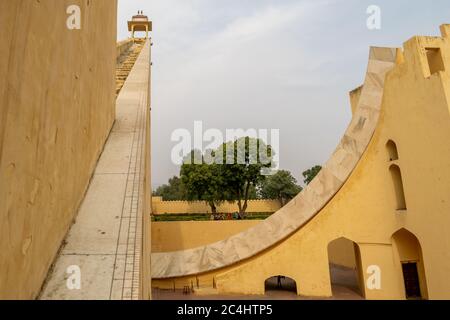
239 203
213 209
244 207
280 199
239 209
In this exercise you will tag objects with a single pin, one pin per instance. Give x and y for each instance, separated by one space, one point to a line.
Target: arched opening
398 187
280 286
409 253
392 150
345 268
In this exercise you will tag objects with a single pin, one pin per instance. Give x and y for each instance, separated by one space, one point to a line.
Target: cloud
263 64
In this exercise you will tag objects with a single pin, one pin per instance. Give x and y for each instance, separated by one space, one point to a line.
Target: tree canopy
174 190
203 181
232 172
282 186
245 161
310 174
237 171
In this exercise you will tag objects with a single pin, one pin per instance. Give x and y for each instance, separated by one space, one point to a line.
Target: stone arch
280 284
345 268
392 150
409 258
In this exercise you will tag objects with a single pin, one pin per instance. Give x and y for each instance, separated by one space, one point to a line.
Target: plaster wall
57 102
177 236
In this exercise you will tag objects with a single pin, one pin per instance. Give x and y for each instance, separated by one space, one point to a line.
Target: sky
267 64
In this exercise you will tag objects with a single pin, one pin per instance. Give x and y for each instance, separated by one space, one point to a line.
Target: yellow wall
177 236
146 192
183 235
56 109
195 207
416 116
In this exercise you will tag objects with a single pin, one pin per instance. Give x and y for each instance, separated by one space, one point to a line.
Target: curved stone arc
307 204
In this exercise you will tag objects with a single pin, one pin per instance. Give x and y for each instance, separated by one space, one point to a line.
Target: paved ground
345 287
105 241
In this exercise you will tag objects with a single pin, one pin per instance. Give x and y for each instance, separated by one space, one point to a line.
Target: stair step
123 70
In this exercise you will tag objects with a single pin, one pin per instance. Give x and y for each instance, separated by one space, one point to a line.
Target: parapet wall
183 235
57 98
195 207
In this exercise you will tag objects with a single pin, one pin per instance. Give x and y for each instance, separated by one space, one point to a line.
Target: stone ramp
307 204
105 241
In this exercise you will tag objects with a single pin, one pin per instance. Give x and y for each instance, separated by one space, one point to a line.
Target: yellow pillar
146 32
132 32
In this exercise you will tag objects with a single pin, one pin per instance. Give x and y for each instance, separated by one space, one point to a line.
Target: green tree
203 181
281 186
310 174
253 193
174 190
241 164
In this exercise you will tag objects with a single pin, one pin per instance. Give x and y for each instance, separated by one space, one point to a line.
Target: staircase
124 69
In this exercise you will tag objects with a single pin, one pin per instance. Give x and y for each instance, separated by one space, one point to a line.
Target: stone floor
105 240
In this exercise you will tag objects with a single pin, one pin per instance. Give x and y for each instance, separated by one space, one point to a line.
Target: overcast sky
267 64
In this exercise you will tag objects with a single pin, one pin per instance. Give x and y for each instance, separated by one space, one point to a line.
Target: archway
345 268
412 272
398 187
280 286
392 150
